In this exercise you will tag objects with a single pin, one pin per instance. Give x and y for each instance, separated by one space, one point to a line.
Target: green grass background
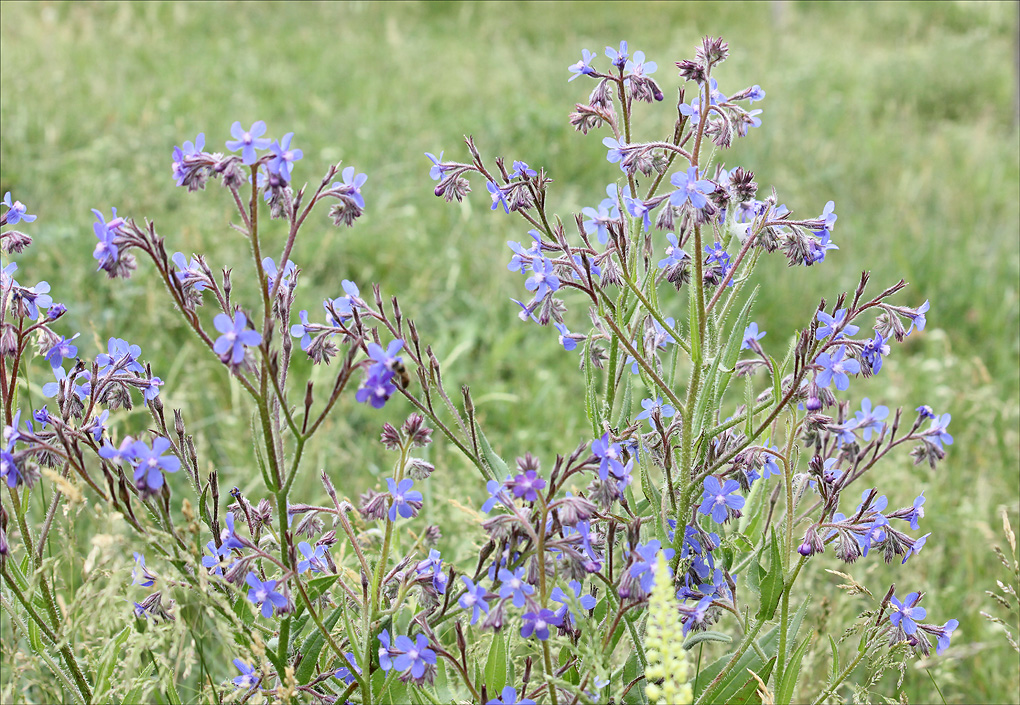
904 114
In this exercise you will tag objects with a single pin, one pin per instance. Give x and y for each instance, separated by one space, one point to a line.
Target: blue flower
352 185
918 512
404 498
16 211
526 485
639 67
122 355
587 601
937 434
436 172
32 298
609 455
614 155
190 273
228 537
434 565
612 201
870 421
509 697
344 672
521 259
265 594
498 197
582 67
215 560
248 141
415 654
650 407
188 149
944 633
271 273
140 575
619 58
248 677
915 547
473 599
385 360
904 614
832 323
835 367
385 662
674 255
497 494
690 188
566 340
770 466
376 390
302 330
918 319
718 254
873 351
106 252
522 170
818 248
62 350
644 569
513 585
344 305
150 463
876 533
751 334
283 163
236 336
543 279
313 558
538 624
718 497
96 428
639 209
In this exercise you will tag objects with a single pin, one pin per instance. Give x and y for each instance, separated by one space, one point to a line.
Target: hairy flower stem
65 650
669 393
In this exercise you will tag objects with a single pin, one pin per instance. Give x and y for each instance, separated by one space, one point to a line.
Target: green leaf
591 394
625 402
313 645
203 504
749 407
631 670
771 582
171 690
777 381
748 692
732 350
784 693
652 494
242 608
108 659
297 626
699 637
835 659
724 691
134 695
496 669
496 464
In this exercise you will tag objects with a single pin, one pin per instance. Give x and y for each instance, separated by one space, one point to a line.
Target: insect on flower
400 372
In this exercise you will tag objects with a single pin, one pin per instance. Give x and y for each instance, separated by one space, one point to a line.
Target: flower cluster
574 554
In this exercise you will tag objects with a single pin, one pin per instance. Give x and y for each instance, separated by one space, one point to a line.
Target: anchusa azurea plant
717 466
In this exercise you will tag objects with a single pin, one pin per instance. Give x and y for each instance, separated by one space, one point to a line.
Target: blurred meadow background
904 114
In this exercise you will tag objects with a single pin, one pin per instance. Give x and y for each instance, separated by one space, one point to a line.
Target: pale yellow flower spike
667 676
